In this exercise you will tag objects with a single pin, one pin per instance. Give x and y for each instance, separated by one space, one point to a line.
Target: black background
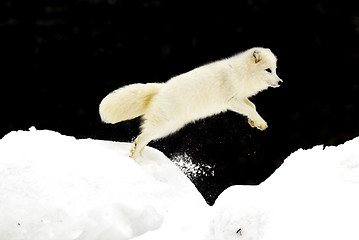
60 58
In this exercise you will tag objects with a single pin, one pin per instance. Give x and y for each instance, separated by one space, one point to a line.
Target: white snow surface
57 187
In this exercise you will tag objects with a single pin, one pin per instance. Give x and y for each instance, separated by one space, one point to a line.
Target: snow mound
57 187
313 195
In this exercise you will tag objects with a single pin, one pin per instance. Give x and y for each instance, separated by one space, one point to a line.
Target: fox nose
280 82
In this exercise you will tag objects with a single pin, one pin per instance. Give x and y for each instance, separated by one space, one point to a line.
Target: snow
58 187
192 170
313 195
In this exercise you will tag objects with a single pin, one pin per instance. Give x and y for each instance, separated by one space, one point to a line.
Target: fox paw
133 154
262 125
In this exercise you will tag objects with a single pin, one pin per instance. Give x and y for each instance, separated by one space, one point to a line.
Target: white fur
207 90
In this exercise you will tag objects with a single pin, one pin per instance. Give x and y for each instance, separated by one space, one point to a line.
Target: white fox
207 90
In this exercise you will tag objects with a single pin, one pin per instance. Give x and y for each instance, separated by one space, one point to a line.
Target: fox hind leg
153 128
133 149
139 144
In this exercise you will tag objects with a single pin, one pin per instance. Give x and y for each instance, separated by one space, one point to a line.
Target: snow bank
57 187
313 195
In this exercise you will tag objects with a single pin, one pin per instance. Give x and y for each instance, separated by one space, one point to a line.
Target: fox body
207 90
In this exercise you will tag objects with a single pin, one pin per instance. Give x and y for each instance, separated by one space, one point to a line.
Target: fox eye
269 70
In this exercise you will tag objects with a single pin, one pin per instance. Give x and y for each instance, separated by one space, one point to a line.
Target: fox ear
257 56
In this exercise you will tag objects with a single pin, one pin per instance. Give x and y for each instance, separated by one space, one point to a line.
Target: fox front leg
254 119
248 109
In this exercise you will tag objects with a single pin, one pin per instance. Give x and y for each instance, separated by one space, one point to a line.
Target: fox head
263 64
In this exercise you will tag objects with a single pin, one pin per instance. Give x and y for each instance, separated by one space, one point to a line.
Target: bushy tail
127 102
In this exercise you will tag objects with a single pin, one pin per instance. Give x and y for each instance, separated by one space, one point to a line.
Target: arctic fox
207 90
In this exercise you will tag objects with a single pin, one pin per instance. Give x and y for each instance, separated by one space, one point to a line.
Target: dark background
60 58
